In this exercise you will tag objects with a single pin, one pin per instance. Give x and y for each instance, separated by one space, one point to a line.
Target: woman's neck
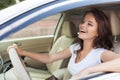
87 45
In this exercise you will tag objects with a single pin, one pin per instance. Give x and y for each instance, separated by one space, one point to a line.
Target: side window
40 28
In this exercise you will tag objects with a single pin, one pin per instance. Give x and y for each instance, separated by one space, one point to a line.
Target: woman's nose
81 25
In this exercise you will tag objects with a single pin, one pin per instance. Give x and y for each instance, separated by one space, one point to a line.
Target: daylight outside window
40 28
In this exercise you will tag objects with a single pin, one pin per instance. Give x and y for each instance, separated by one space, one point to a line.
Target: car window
40 28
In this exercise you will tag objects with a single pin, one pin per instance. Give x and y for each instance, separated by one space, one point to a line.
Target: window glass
40 28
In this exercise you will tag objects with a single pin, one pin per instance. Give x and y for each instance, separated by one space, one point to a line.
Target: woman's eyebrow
90 21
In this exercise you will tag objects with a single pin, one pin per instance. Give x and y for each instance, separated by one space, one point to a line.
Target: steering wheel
18 65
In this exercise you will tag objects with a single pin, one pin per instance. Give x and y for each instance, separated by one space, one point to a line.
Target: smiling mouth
83 31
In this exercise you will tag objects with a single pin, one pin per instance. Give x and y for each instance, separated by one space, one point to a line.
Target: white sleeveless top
92 59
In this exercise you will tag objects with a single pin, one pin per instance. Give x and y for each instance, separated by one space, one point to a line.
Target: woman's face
88 28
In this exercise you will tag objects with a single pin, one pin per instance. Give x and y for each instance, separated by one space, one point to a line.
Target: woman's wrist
24 53
90 70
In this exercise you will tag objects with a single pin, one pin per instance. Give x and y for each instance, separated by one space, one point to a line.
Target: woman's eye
90 24
82 21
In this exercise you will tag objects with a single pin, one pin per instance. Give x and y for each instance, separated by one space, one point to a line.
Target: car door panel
34 44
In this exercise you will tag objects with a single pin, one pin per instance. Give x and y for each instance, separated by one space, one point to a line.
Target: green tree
6 3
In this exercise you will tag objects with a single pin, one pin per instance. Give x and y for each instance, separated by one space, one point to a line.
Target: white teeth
82 31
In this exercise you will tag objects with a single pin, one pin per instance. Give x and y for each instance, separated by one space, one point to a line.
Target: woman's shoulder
100 49
75 47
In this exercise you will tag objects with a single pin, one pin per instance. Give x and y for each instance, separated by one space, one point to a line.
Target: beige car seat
115 26
69 33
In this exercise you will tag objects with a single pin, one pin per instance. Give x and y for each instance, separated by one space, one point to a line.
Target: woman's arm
110 66
111 63
45 58
109 55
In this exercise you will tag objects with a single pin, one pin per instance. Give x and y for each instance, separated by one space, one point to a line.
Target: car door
37 37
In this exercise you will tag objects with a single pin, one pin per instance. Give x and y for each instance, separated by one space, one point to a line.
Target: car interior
69 33
65 34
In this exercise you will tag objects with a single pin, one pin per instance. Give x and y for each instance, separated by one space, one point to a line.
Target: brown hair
73 29
104 39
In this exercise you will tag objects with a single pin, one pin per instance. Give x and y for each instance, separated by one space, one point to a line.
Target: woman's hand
81 74
18 49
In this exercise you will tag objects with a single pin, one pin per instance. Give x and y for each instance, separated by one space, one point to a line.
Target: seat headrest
116 47
69 29
115 23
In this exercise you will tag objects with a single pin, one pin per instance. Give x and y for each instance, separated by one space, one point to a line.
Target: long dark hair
104 38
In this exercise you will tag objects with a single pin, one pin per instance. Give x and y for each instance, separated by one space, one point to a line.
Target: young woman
91 53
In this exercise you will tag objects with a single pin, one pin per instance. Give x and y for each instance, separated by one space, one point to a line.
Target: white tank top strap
74 47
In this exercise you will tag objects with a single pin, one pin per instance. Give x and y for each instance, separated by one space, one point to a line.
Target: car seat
69 33
115 26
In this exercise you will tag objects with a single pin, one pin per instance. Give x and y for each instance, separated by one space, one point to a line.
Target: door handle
18 43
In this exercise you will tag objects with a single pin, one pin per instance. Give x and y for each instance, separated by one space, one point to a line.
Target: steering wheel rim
18 65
